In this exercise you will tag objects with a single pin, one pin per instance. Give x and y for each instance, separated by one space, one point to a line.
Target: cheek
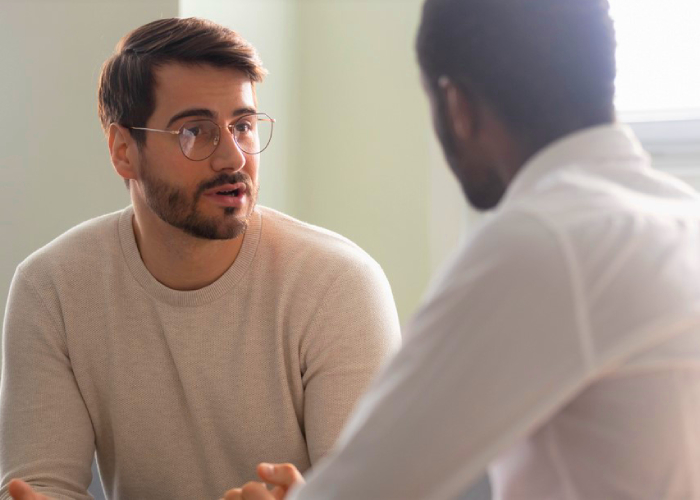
251 168
182 173
166 164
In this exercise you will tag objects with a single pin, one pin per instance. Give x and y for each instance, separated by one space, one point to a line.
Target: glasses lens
198 139
253 132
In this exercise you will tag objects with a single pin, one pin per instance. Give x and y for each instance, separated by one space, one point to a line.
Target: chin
482 187
483 201
231 227
227 227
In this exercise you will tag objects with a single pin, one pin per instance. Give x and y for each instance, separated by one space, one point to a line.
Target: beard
179 209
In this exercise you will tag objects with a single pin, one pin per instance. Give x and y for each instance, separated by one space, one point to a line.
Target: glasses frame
217 140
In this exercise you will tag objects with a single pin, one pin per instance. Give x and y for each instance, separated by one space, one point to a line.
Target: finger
19 490
234 494
278 492
256 491
284 475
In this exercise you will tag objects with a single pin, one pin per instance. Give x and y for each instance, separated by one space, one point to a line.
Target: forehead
221 90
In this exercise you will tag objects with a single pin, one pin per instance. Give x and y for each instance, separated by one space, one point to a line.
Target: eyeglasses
200 138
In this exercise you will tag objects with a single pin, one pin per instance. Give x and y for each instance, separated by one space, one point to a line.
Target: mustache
223 179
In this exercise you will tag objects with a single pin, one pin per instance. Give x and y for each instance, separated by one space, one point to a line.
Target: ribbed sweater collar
226 283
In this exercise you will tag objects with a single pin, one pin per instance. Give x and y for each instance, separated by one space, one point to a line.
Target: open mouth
234 192
228 195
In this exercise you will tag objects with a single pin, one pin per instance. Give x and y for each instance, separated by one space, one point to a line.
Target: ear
460 109
123 151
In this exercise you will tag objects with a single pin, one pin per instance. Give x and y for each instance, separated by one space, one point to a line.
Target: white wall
54 165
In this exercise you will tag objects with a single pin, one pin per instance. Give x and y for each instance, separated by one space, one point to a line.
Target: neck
176 259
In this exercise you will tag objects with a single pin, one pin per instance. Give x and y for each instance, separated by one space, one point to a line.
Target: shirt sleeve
351 335
46 436
499 345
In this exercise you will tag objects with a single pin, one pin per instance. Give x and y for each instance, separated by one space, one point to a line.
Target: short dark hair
544 66
126 92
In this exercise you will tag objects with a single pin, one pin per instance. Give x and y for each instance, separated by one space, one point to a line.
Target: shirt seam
583 327
582 319
690 450
557 463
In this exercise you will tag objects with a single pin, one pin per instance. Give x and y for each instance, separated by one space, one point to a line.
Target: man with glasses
193 334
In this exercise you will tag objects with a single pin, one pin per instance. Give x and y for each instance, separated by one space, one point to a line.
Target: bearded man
193 334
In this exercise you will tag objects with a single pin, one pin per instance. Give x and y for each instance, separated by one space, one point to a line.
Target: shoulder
514 234
78 249
295 240
314 269
511 252
588 193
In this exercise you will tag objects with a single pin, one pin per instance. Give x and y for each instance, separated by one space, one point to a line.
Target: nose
228 156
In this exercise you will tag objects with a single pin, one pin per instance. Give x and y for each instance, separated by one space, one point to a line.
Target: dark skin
485 157
478 146
483 151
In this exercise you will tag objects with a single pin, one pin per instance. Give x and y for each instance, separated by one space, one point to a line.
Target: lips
228 195
228 190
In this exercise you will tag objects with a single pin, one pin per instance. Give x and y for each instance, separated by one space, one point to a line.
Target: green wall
362 164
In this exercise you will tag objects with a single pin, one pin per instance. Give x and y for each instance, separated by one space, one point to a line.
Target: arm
499 346
46 434
354 331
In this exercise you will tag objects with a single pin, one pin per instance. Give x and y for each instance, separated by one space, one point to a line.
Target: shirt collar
592 145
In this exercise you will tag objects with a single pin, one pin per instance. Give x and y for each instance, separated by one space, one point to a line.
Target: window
657 59
658 83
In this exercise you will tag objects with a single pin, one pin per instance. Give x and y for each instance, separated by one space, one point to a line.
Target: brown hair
126 91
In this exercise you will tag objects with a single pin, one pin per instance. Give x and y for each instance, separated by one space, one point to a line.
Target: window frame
669 139
674 146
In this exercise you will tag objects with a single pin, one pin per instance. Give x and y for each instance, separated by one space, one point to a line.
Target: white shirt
561 346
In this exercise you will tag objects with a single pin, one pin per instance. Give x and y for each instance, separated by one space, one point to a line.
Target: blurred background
353 149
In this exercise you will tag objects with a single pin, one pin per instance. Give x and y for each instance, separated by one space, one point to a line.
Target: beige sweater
182 393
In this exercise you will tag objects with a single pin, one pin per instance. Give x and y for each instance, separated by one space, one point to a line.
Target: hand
19 490
282 476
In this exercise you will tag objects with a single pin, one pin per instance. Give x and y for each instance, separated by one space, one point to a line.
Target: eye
243 127
193 130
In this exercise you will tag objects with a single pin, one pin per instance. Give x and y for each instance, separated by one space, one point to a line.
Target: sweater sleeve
46 436
354 331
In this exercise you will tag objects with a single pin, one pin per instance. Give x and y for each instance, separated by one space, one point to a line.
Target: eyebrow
207 113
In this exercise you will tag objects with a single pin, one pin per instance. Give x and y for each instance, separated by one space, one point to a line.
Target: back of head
126 93
546 67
